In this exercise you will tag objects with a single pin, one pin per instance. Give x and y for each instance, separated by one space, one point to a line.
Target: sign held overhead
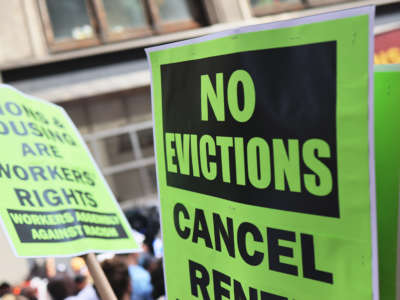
55 202
265 161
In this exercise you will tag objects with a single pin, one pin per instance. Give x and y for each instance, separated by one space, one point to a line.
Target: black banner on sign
295 105
65 225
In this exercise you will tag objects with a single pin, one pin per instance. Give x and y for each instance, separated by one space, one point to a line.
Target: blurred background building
88 56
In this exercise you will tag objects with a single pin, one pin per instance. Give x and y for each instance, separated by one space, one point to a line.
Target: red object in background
16 290
387 47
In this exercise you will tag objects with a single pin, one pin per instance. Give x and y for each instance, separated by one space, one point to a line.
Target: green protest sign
265 166
387 152
55 201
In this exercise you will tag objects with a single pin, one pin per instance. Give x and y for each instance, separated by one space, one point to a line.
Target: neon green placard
265 161
55 201
387 151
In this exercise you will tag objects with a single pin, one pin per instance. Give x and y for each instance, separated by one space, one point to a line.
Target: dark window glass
146 142
118 149
70 19
265 7
174 10
124 14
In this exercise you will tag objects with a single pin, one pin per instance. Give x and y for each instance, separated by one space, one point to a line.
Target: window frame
103 35
162 27
67 44
276 8
318 3
109 36
138 161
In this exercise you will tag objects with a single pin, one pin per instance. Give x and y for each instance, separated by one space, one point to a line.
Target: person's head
117 274
29 293
80 282
60 288
157 278
5 288
129 258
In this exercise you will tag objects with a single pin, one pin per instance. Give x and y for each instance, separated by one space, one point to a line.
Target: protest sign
265 163
387 152
55 201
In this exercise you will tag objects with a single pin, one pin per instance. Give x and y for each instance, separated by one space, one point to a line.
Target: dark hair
5 285
5 288
79 279
157 278
60 288
118 276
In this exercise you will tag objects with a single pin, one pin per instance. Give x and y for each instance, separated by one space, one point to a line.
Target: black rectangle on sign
65 225
295 90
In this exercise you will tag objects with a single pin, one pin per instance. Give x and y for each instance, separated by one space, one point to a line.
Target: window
68 24
82 23
118 130
265 7
126 157
122 19
324 2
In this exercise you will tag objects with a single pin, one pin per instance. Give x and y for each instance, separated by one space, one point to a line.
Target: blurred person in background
5 288
10 296
29 292
88 292
60 288
80 282
140 278
146 256
80 273
117 274
76 286
7 292
157 279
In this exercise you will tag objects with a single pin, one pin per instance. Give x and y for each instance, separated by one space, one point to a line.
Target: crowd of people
133 276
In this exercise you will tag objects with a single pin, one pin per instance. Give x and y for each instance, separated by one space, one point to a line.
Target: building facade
88 56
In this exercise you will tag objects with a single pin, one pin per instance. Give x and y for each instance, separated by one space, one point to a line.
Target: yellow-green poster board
265 161
387 152
54 200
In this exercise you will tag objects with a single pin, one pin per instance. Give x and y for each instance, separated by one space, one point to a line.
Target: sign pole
100 280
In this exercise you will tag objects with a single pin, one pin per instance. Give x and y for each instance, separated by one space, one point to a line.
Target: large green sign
265 176
54 200
387 152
